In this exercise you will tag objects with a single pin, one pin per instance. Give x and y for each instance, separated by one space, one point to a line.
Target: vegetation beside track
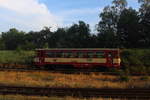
16 57
136 60
46 79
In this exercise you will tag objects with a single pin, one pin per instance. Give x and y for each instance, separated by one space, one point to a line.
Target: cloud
81 11
27 15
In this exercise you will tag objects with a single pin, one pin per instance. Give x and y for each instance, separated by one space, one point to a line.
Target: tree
107 27
13 38
78 35
128 28
2 45
145 22
145 6
39 39
57 40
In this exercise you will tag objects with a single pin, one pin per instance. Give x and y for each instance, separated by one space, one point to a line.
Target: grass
46 79
15 57
19 97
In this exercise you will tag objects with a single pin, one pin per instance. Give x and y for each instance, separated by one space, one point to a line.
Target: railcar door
41 55
109 59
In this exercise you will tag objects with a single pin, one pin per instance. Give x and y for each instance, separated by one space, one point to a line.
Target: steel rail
77 92
26 68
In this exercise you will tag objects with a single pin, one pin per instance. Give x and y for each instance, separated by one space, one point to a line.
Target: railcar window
67 54
63 55
72 55
50 54
100 55
90 54
75 55
58 54
81 54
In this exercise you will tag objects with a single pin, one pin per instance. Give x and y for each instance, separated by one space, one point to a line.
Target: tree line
119 26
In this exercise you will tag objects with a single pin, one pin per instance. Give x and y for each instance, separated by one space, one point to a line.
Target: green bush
136 60
131 58
16 57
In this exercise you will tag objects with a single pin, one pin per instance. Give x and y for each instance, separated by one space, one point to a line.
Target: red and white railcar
78 57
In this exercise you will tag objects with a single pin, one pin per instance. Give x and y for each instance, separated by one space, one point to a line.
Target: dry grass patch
47 79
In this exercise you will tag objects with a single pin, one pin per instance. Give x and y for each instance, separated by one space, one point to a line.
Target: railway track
77 92
25 68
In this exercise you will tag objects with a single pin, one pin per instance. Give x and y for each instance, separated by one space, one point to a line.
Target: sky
33 15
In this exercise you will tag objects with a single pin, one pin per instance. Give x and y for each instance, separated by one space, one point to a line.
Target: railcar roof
80 49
